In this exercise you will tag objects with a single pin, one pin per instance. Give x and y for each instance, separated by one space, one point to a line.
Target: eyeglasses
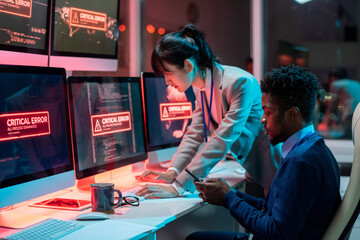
130 200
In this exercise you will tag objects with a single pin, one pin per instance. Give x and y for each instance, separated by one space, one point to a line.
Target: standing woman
226 117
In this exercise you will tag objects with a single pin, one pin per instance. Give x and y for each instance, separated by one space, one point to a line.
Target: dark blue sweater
302 199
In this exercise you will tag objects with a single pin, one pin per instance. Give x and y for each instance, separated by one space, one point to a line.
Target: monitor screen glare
24 32
107 118
85 28
168 112
23 24
34 132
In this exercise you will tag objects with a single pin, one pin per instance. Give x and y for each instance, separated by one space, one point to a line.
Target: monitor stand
13 219
160 159
83 185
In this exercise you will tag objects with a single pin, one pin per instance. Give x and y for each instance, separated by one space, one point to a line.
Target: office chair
345 217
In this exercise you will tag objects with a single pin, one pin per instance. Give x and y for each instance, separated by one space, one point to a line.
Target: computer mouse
93 216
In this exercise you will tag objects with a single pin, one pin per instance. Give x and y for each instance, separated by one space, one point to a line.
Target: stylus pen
191 174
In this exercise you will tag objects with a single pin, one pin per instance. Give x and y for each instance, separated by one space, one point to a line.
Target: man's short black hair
292 86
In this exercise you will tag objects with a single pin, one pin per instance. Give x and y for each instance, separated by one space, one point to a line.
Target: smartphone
191 174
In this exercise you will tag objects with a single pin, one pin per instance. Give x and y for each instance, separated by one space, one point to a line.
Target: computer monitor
168 113
85 35
24 31
108 123
35 137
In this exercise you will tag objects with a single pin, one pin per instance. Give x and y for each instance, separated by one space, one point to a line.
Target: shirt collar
207 80
291 141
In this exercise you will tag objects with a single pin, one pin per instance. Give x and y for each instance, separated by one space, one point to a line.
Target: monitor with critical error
85 35
108 123
35 137
168 114
24 32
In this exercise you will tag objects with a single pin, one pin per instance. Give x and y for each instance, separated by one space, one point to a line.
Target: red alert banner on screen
20 8
110 123
175 111
24 125
87 19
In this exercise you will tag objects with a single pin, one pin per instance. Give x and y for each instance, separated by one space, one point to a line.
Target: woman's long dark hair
174 48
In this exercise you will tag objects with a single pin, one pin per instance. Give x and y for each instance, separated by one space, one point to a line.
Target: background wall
225 24
319 26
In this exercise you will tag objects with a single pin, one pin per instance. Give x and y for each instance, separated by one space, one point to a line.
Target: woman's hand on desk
158 190
168 176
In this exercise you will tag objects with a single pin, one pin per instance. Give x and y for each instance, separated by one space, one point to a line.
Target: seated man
304 194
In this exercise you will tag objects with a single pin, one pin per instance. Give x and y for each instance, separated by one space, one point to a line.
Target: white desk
342 149
156 213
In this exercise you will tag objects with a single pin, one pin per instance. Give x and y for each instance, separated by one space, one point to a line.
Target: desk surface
155 213
342 149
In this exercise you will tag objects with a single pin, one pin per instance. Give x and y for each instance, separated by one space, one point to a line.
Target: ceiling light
302 1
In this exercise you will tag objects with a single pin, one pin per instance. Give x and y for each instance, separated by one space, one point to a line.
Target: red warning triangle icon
75 18
165 113
97 126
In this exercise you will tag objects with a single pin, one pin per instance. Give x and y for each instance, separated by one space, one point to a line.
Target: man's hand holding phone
212 190
196 179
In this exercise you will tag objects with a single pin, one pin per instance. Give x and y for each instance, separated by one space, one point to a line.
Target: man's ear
293 112
189 65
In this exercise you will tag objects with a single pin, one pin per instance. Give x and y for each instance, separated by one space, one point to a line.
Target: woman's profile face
180 79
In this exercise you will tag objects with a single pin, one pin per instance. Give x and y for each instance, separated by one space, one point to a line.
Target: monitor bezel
80 174
28 56
80 55
44 71
45 51
144 76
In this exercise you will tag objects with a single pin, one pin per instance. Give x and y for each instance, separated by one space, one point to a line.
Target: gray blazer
237 97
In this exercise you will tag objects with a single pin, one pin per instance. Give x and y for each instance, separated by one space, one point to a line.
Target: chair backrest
345 217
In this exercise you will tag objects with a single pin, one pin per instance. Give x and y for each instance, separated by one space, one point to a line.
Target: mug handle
120 198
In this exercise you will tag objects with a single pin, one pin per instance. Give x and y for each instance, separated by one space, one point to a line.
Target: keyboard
131 192
149 178
48 229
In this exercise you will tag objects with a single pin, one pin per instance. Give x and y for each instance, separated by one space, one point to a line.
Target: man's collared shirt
294 139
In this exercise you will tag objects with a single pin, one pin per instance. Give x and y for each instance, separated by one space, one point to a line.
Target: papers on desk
109 229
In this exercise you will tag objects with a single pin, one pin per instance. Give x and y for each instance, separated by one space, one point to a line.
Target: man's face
273 120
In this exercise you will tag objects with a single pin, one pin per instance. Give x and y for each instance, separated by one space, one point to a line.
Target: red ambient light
175 111
102 124
24 125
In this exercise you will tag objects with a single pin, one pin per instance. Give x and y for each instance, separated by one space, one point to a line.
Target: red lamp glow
161 31
122 28
150 28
